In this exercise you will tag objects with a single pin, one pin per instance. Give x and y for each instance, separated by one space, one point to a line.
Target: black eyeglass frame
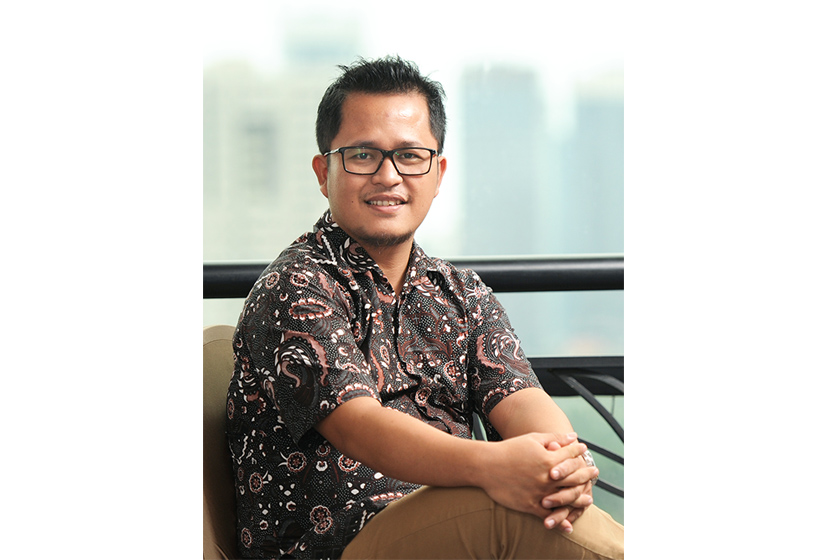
385 154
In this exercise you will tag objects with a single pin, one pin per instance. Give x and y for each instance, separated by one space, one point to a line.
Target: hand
575 489
564 516
518 471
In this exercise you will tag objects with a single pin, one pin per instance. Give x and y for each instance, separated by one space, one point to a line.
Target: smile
385 202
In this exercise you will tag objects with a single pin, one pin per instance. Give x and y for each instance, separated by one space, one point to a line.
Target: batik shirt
322 326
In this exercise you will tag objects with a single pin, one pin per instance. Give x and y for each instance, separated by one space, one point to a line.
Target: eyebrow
403 144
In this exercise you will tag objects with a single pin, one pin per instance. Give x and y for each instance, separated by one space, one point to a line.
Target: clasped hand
545 476
575 495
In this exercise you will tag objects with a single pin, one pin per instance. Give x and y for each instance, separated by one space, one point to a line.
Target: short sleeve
497 363
297 334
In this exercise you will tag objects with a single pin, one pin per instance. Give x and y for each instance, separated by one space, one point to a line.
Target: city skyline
284 105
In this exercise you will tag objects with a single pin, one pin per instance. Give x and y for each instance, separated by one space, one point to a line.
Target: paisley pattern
322 326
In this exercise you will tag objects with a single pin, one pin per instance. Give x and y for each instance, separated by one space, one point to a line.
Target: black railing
520 274
586 377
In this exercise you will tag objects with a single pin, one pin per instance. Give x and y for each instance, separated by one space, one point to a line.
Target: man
360 360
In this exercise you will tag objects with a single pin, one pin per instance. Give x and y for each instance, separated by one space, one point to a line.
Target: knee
599 533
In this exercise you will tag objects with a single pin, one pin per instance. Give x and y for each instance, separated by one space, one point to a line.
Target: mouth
385 202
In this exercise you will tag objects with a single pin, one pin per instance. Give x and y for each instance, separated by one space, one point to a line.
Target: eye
413 156
360 154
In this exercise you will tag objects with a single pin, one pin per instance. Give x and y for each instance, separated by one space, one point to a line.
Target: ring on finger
590 462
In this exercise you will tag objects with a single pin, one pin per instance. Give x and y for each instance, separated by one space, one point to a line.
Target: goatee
381 241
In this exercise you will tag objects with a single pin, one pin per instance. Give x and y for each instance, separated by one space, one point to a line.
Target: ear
319 166
441 171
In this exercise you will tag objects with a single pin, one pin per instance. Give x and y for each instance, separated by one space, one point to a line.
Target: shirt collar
347 252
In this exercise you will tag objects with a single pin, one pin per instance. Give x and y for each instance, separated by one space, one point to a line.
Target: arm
533 410
529 410
514 472
497 362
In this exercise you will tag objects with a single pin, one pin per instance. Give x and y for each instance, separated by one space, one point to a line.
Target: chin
385 239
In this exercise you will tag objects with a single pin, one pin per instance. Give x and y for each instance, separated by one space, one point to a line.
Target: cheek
430 196
343 203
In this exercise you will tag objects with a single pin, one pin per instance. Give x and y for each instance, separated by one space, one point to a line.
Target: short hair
390 74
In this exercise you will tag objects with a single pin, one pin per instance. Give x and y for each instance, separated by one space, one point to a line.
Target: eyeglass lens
410 161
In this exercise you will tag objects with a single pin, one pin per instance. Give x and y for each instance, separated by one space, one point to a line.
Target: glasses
361 160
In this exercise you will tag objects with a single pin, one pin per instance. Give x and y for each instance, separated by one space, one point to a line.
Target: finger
571 451
545 438
569 462
575 497
567 439
583 502
575 514
580 476
562 440
566 526
557 518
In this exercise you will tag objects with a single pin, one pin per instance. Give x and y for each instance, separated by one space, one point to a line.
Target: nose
387 173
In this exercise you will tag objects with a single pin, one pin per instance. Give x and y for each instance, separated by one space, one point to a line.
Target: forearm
400 446
529 410
514 472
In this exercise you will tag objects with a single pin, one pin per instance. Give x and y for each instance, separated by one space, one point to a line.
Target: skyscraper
590 210
259 138
503 131
592 176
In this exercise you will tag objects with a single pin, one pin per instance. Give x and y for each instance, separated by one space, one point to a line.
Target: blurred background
535 143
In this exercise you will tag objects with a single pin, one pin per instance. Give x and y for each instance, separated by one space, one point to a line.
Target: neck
393 260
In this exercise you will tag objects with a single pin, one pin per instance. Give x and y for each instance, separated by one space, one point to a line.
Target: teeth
384 202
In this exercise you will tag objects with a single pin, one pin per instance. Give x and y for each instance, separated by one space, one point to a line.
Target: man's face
384 209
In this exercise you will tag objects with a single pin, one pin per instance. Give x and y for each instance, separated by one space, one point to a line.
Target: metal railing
586 377
519 274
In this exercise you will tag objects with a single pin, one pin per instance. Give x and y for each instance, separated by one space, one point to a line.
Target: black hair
390 74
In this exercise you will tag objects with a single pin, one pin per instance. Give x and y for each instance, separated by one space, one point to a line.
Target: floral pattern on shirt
323 326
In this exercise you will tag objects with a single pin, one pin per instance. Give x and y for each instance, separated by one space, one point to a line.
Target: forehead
381 115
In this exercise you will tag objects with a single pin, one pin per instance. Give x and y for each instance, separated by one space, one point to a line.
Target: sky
455 30
569 38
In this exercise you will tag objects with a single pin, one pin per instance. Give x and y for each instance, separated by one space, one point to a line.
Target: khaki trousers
466 523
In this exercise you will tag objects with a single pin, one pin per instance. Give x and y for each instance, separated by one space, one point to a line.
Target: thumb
548 440
561 440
